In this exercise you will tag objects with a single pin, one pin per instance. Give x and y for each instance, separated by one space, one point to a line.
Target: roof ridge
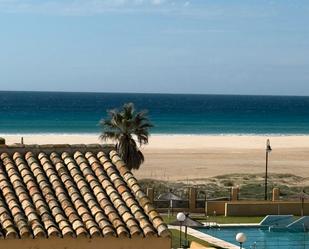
126 194
58 148
139 194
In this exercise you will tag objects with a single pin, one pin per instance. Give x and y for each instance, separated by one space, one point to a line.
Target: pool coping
240 225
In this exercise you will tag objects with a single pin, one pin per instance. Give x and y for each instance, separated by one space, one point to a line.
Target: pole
186 236
268 150
266 175
240 245
180 240
302 205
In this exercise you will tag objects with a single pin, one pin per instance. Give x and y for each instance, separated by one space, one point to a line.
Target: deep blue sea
57 112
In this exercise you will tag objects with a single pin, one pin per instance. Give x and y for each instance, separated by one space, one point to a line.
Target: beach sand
189 157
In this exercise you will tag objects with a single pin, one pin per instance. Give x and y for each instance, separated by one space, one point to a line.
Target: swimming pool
258 238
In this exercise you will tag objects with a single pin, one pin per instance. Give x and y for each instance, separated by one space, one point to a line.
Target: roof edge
48 148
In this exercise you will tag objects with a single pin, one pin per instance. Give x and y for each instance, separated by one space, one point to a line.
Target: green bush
2 140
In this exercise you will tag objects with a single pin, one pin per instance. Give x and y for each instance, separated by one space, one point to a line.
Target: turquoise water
55 112
262 239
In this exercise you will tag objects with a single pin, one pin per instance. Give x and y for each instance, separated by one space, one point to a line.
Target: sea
76 113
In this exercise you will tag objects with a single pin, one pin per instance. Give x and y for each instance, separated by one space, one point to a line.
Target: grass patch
235 220
176 239
219 219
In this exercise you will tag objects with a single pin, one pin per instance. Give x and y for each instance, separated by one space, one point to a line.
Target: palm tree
128 128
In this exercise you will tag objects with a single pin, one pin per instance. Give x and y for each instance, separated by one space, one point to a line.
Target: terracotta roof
72 193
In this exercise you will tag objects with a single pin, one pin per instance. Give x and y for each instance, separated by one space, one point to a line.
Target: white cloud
158 2
186 4
187 8
81 6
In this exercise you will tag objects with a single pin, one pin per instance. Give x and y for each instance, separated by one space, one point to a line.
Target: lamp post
241 238
268 150
181 218
186 245
302 206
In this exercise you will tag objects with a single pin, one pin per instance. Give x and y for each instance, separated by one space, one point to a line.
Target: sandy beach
189 157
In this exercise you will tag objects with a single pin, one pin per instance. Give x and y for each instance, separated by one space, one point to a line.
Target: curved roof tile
72 193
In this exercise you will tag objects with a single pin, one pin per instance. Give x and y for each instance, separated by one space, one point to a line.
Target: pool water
258 238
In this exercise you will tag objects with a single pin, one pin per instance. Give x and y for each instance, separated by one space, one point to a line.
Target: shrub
2 140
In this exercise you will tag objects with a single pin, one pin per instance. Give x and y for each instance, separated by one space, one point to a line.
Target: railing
167 204
292 244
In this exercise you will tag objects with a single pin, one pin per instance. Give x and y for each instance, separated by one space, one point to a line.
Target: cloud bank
88 7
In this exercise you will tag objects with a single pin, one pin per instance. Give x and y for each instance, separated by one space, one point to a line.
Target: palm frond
124 126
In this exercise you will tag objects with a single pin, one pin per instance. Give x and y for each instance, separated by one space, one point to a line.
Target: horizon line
158 93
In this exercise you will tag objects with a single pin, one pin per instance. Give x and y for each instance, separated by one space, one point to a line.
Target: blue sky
174 46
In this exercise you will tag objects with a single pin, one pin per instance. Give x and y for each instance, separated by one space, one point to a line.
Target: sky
157 46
